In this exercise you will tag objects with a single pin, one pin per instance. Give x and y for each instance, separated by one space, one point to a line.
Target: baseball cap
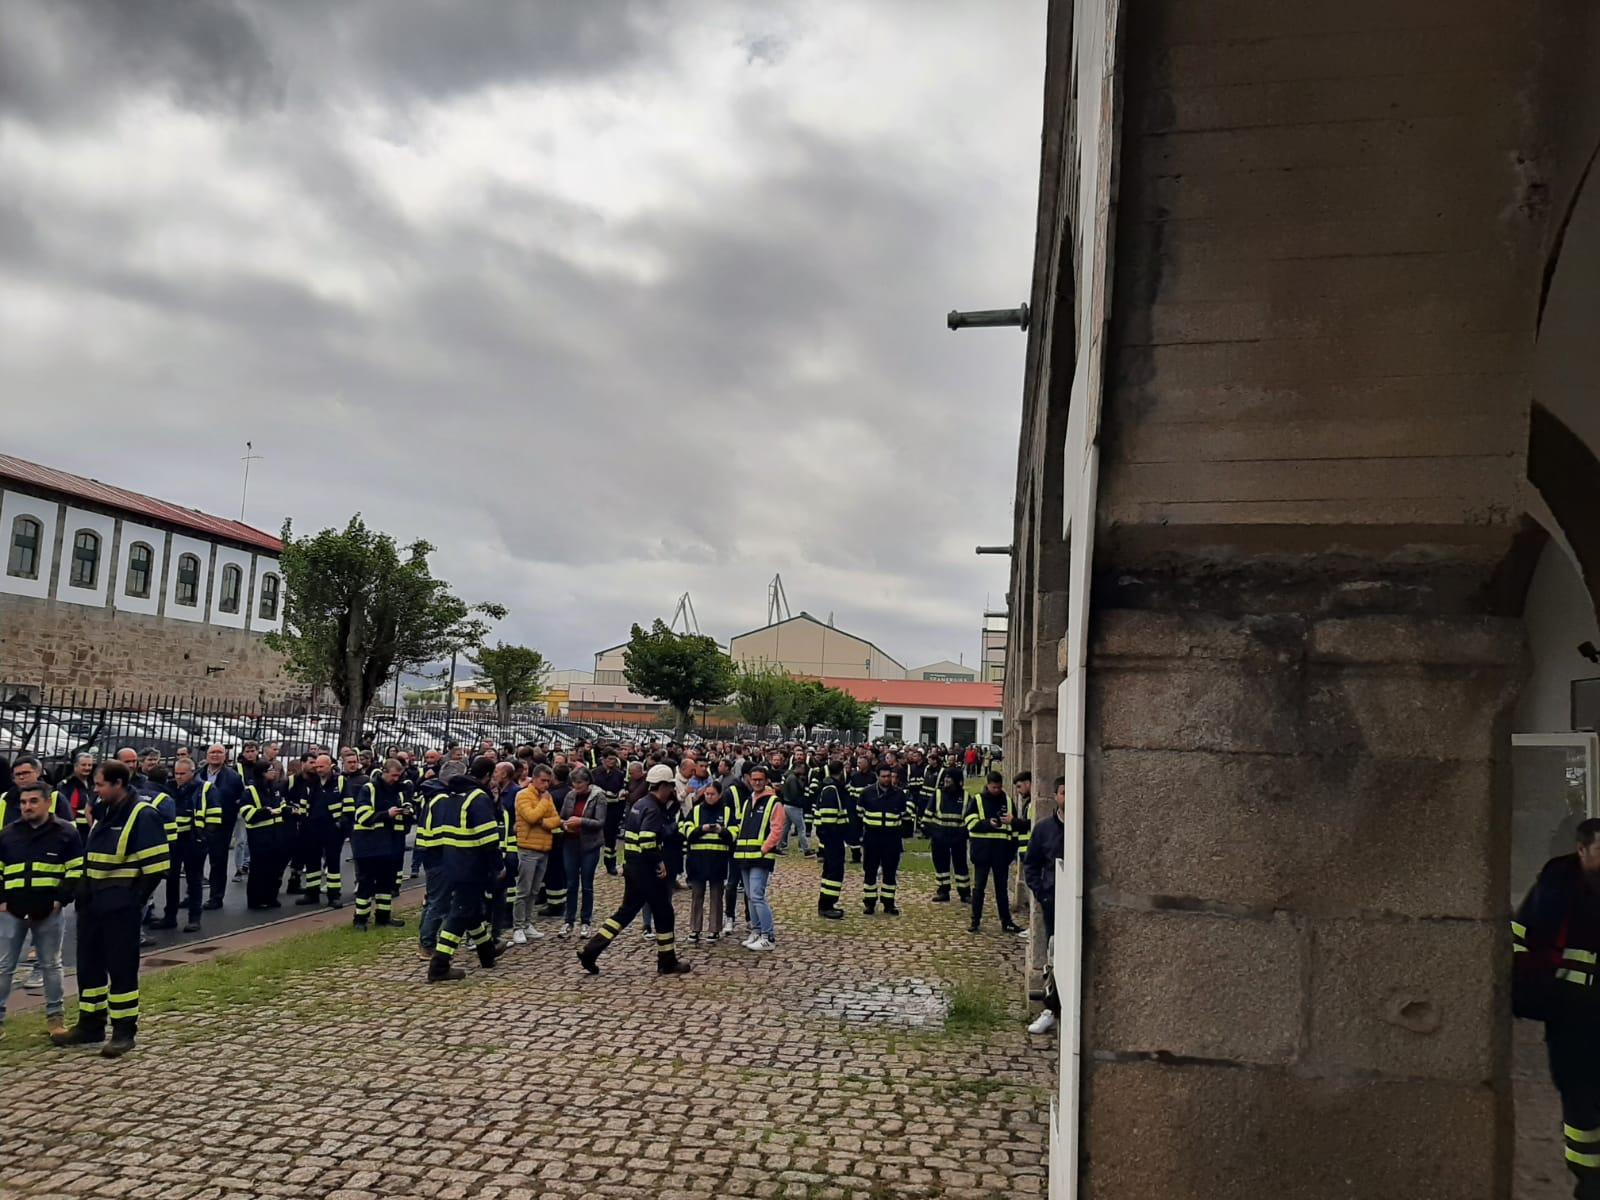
660 773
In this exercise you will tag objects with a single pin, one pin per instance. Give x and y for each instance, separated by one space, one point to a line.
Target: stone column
1296 954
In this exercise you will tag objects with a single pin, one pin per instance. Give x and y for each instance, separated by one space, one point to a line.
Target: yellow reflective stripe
1583 1160
1579 977
1519 929
1586 956
1581 1135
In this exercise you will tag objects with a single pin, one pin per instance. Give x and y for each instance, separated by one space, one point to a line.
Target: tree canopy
357 606
683 669
767 697
517 673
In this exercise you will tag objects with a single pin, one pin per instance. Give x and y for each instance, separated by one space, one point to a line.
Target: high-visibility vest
754 829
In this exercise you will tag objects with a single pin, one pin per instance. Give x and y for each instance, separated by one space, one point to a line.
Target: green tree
518 674
681 668
357 606
763 696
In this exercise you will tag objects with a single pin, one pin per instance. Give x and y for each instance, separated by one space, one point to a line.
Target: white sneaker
520 937
764 944
533 934
586 932
727 927
566 930
1044 1023
750 942
35 981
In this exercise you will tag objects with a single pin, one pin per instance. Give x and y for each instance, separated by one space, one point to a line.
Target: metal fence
55 725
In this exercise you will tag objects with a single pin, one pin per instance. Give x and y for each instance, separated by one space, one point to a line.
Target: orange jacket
537 819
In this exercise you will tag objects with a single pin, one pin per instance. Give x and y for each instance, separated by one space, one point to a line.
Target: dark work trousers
615 811
995 861
950 860
375 887
880 866
833 852
464 921
1574 1047
321 851
265 875
641 889
217 838
191 865
108 968
178 852
555 879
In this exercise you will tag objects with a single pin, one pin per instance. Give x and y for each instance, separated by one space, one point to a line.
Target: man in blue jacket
226 794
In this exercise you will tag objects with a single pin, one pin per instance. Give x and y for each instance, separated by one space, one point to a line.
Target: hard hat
660 773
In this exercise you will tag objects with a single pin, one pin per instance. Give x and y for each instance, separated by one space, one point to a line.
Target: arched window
24 559
141 562
268 609
187 591
232 585
85 558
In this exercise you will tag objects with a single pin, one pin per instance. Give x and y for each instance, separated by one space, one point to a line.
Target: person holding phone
708 843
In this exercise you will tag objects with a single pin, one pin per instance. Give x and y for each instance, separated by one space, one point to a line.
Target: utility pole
249 457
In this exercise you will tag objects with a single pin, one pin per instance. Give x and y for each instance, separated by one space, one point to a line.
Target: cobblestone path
873 1057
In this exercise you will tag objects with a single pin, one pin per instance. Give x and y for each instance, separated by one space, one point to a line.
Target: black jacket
40 866
1039 863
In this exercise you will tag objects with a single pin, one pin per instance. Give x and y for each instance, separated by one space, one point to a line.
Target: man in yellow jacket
537 819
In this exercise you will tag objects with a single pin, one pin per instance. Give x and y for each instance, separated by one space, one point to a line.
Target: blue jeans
756 879
46 933
580 864
434 909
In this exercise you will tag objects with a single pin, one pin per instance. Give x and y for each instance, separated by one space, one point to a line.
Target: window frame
78 558
149 570
271 587
17 523
225 602
194 585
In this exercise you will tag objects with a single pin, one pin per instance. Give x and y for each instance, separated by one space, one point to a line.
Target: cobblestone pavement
1541 1169
874 1057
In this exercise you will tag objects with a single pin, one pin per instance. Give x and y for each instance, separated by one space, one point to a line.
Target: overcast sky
606 300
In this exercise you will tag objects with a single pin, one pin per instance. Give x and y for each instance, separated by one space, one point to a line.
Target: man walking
41 862
796 781
124 860
646 882
467 831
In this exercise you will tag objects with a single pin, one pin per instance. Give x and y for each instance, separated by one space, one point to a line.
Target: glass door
1553 788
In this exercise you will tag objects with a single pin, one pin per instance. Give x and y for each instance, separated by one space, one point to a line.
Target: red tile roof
921 693
77 487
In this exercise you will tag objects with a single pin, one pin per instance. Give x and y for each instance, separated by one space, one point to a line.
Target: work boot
392 922
360 923
831 913
192 927
55 1027
855 854
441 969
335 902
890 909
166 923
311 897
121 1039
489 953
589 956
869 906
942 895
84 1033
212 904
668 964
293 888
964 895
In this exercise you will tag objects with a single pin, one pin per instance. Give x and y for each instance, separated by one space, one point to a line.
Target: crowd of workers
503 835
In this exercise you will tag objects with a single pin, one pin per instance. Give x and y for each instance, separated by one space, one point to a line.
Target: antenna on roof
249 457
777 602
685 609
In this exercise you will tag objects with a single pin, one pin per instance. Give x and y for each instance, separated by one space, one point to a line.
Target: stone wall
54 645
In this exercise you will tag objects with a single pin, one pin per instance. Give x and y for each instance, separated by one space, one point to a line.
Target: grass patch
976 1006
